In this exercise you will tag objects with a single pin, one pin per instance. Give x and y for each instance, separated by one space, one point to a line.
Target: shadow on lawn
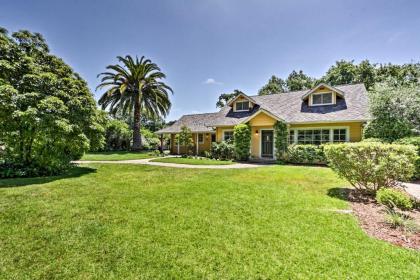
351 195
340 193
23 182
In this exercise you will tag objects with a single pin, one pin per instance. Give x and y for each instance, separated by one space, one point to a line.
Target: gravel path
176 165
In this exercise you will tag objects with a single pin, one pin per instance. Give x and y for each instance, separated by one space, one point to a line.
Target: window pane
291 136
228 135
340 135
200 138
316 99
327 98
244 105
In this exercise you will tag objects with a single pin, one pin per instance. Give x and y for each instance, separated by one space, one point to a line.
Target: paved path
413 189
176 165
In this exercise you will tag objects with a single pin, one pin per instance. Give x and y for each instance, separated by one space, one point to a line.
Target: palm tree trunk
137 145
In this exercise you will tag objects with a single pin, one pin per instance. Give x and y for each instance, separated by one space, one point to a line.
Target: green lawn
147 222
116 155
194 161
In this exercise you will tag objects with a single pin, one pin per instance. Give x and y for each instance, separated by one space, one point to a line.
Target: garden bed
372 218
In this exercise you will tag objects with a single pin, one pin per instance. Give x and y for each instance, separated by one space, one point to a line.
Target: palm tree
135 86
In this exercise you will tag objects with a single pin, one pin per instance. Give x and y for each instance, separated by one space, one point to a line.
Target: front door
267 143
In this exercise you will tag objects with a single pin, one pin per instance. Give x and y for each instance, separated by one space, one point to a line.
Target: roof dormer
242 103
323 94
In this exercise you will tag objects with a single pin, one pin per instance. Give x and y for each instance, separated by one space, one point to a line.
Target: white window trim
330 128
249 106
274 142
322 104
226 130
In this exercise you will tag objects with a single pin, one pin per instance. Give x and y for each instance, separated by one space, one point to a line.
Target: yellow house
324 114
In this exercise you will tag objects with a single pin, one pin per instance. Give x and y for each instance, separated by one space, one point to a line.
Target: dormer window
241 106
325 98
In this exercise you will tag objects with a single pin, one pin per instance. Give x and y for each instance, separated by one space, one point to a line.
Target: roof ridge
199 114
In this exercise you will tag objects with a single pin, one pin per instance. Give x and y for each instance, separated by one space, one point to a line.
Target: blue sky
207 47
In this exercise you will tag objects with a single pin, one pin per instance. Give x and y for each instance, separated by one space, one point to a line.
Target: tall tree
299 81
273 86
135 86
366 73
225 97
342 73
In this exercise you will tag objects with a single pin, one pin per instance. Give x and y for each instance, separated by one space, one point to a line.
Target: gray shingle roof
286 106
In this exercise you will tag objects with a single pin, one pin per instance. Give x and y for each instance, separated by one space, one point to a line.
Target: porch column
196 144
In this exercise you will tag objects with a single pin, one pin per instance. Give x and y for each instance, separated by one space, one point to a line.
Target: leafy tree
299 81
117 135
273 86
225 97
342 73
395 112
185 139
399 75
48 116
135 86
366 73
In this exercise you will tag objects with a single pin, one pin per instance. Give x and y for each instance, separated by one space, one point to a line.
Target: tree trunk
137 145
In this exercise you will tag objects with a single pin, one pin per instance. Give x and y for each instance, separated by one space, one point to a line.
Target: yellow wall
219 132
355 128
262 119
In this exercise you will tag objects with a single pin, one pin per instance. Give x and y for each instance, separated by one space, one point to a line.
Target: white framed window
201 138
228 135
242 106
318 136
325 98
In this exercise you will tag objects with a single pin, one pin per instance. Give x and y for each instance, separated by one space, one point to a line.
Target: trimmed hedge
305 154
394 198
371 166
415 141
222 150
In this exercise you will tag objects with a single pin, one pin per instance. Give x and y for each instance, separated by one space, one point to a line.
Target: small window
315 136
291 136
201 138
228 135
213 138
242 106
340 135
321 99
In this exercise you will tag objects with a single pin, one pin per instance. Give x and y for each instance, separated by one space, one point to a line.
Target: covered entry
267 143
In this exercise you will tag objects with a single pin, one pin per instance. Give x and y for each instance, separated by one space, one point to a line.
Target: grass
193 161
116 155
146 222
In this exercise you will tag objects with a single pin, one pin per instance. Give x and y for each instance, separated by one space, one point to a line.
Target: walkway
413 189
176 165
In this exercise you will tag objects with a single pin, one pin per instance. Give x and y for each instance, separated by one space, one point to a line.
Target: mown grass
116 155
145 222
193 161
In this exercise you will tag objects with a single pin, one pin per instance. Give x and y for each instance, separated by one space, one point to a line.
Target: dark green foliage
395 112
305 154
415 141
152 141
135 88
117 135
222 151
281 134
225 97
242 141
48 116
273 86
299 81
394 198
371 166
342 73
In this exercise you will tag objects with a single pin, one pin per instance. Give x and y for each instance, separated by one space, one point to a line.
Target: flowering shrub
370 166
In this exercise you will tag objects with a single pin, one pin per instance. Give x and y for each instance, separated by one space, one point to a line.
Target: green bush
305 154
394 198
222 151
370 166
415 141
117 135
151 140
372 140
281 135
242 141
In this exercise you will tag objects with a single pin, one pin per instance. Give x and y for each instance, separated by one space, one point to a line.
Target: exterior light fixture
256 131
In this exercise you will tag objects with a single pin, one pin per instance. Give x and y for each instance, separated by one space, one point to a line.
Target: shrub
185 139
151 140
397 219
372 140
370 166
305 154
394 198
222 151
280 130
415 141
117 135
242 141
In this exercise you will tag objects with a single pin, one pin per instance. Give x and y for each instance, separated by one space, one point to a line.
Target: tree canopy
48 116
225 97
273 86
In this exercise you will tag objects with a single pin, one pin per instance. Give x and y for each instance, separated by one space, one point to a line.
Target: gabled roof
197 123
337 90
289 107
230 102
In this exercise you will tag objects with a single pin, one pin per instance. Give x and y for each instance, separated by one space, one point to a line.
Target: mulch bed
372 219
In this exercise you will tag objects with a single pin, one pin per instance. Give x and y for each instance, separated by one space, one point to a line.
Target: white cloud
211 81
